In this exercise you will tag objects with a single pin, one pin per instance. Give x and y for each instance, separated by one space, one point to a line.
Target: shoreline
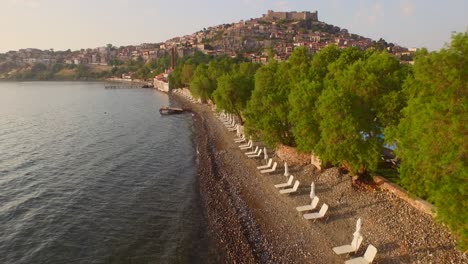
250 222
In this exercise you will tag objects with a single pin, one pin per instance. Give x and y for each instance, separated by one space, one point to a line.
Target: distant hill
253 39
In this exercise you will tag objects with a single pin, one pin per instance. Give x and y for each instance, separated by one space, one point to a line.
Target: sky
76 24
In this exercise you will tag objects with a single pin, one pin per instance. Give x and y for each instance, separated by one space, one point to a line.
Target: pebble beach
250 222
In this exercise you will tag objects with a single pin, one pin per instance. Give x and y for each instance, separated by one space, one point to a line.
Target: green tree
351 110
304 95
201 85
187 73
143 72
218 67
267 110
235 89
431 136
38 68
302 101
82 72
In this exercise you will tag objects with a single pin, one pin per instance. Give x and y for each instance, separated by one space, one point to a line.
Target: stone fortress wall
305 15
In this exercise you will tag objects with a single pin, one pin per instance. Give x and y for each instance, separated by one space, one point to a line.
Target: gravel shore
251 222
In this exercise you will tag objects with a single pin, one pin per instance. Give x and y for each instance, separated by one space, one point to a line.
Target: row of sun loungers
288 187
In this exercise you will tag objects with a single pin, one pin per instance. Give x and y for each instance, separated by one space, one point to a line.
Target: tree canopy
431 136
234 89
352 110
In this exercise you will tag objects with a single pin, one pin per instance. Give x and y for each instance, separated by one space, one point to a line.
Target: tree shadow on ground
322 189
302 190
340 216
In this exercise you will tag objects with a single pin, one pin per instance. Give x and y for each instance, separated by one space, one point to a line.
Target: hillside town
252 39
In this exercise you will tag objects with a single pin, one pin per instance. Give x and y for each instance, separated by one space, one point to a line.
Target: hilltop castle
305 15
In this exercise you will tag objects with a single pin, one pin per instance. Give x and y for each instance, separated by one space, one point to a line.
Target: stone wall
272 15
291 155
315 160
401 193
161 85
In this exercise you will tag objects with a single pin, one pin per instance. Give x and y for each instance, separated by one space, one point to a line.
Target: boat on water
166 110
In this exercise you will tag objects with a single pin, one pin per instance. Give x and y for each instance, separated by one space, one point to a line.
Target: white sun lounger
320 214
286 171
240 140
252 152
353 247
228 121
255 155
248 145
268 165
368 257
270 170
286 184
231 124
233 128
310 206
291 190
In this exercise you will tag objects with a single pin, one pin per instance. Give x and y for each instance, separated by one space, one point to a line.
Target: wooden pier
128 86
123 86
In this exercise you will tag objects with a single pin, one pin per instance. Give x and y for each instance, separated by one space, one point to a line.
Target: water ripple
89 175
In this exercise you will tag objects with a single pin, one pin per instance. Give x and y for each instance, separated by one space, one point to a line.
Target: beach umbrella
312 190
286 171
265 154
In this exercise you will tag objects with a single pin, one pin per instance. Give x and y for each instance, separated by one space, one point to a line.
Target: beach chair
268 165
252 152
353 247
246 146
310 206
255 155
222 117
233 128
320 214
270 170
227 120
290 190
286 170
286 184
240 140
368 257
232 124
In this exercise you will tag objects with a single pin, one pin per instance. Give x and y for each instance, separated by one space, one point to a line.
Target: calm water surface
95 175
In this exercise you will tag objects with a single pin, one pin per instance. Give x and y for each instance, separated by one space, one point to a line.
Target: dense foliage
355 107
59 71
345 104
432 134
304 95
235 88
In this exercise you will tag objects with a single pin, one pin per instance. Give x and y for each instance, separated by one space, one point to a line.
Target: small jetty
128 86
166 110
122 86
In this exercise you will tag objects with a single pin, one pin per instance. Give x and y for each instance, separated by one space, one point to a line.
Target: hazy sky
75 24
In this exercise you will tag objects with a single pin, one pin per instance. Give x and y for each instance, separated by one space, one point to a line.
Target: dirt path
252 223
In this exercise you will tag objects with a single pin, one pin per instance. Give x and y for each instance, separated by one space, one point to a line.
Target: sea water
96 175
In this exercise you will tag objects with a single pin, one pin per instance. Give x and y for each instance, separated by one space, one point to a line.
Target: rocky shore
250 222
